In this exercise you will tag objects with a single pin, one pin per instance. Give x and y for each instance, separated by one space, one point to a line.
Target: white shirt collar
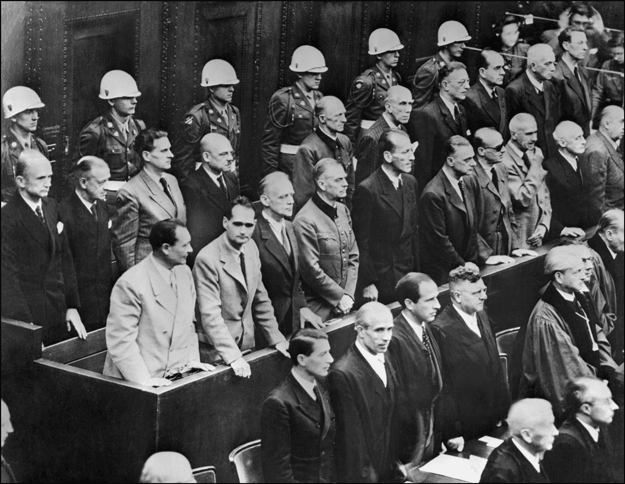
454 183
488 89
85 202
29 139
389 121
308 386
533 459
161 269
535 83
33 206
594 433
214 177
236 252
612 253
325 131
375 361
277 227
572 160
154 176
568 63
124 126
487 168
416 326
515 148
394 178
566 295
470 320
449 105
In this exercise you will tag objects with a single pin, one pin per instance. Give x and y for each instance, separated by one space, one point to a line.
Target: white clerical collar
535 83
567 296
31 204
594 433
308 386
470 320
450 106
389 121
325 131
395 179
533 459
414 324
572 160
85 202
214 177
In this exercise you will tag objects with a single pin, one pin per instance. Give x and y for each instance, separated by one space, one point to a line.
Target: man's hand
241 368
197 365
307 316
283 347
457 444
499 259
73 319
574 232
345 304
156 382
370 293
535 158
522 252
536 240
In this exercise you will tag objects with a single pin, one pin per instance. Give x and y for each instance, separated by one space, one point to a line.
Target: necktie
166 190
242 259
285 242
577 76
580 311
40 215
494 94
495 180
318 395
399 184
461 185
526 160
456 112
222 185
172 281
426 341
94 212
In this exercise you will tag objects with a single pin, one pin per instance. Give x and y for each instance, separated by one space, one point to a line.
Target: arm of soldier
191 132
594 171
424 85
303 184
125 229
277 120
363 225
89 141
359 98
275 432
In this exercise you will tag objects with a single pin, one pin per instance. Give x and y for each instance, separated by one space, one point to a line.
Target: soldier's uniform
290 119
200 120
103 138
425 86
11 150
366 100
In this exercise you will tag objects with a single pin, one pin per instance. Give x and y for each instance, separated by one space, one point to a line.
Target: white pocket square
110 223
59 227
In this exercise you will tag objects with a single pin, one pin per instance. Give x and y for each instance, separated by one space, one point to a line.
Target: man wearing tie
150 196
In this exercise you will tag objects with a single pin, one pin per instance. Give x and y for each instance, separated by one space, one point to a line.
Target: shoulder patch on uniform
188 120
358 85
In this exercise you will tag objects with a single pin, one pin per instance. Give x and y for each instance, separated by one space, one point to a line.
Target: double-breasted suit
486 112
575 96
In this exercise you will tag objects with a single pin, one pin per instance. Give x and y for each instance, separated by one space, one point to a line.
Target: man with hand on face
327 141
279 255
328 248
397 108
297 419
385 221
209 190
232 298
150 334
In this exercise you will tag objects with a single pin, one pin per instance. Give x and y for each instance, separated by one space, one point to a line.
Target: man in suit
328 249
518 459
397 109
151 196
582 451
38 276
439 120
363 388
326 141
209 190
565 183
149 331
532 93
385 221
297 422
486 101
279 255
474 398
572 79
526 184
602 165
232 298
414 352
86 218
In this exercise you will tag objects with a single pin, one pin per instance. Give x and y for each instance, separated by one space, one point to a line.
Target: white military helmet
383 40
306 58
452 31
19 99
115 84
218 72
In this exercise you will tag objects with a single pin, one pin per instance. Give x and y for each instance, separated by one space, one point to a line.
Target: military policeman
290 116
21 106
214 115
451 38
112 135
366 98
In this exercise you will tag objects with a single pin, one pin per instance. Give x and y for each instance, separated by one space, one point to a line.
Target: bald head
374 325
167 467
488 146
398 104
33 175
611 124
491 68
7 427
522 121
570 138
329 105
538 53
91 175
531 422
395 93
590 400
541 62
217 153
276 195
214 141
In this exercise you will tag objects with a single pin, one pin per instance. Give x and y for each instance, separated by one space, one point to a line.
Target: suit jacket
567 194
420 384
507 464
576 457
608 88
141 202
604 180
431 127
448 231
38 276
474 397
231 304
575 100
207 206
90 244
281 274
385 224
150 328
530 197
364 414
297 434
521 97
484 111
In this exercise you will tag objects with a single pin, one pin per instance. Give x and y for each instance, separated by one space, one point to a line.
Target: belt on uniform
366 123
289 149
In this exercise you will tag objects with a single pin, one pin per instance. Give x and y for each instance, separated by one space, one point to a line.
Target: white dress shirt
454 183
309 387
594 433
416 327
450 106
390 122
376 361
470 320
87 204
33 206
533 459
276 227
214 177
537 85
395 179
572 160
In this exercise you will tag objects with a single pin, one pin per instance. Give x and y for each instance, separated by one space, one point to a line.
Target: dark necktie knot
40 214
285 241
94 211
242 261
222 185
526 160
317 394
494 94
494 176
456 112
165 186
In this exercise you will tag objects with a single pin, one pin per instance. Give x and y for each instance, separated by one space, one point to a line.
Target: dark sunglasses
496 148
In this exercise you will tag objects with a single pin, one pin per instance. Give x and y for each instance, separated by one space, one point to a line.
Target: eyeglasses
243 224
496 148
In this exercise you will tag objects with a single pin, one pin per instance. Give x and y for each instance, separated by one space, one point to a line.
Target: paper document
454 467
491 441
478 464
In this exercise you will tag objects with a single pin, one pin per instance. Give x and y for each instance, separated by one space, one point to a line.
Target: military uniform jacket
575 100
366 99
11 151
200 120
290 119
102 137
424 85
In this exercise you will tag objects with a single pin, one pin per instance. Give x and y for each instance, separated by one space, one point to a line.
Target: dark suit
431 127
521 97
364 413
484 111
280 274
575 101
448 231
474 397
297 434
90 244
38 277
576 457
207 206
507 464
420 383
385 225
